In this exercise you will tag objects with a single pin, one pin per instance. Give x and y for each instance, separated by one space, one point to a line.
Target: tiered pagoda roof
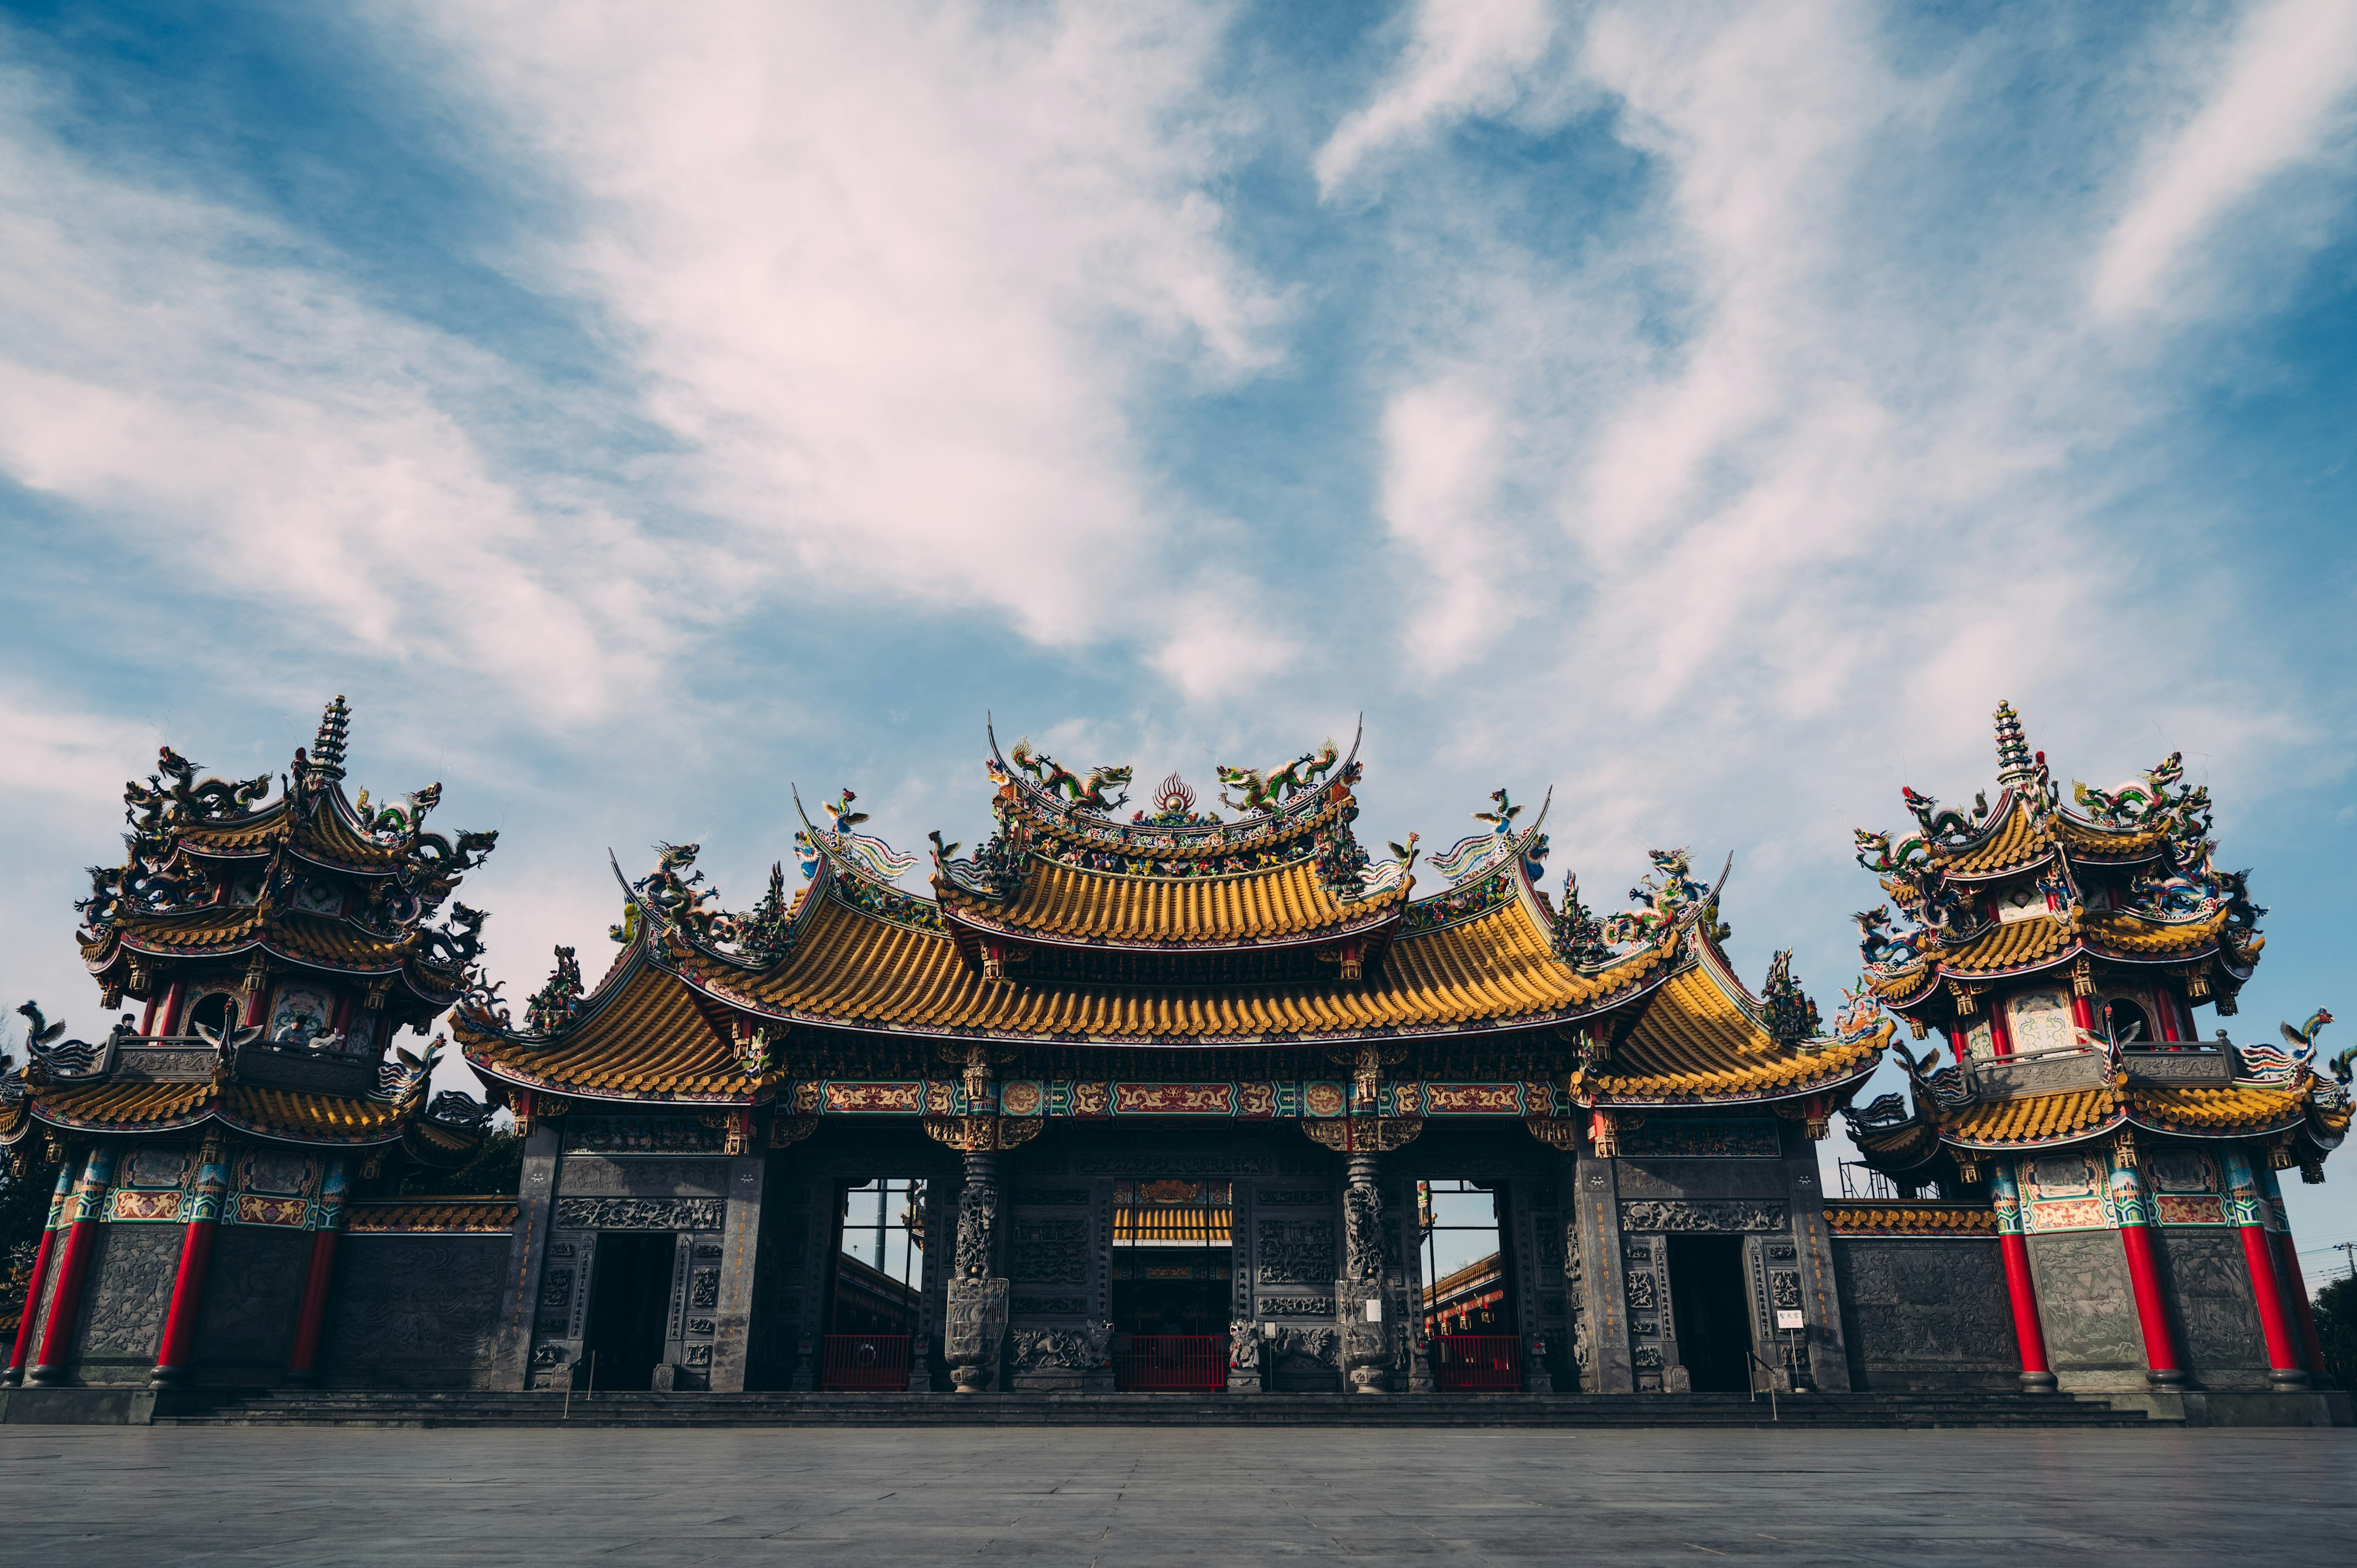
2118 893
225 891
1107 946
311 880
2028 885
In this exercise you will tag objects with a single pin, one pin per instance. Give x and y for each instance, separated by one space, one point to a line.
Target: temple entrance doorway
1711 1316
1173 1278
1468 1318
874 1301
628 1299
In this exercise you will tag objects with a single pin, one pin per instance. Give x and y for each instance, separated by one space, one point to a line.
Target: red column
57 1334
24 1344
2164 1366
304 1364
2165 1010
2083 1014
2288 1276
2248 1211
2037 1376
2283 1351
2000 1028
178 1349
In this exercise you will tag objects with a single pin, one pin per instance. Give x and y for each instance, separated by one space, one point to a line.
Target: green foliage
2336 1326
496 1167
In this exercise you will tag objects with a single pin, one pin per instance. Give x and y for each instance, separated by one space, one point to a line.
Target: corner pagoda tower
2063 950
207 1152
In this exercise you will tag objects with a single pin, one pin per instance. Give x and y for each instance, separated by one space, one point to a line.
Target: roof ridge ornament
1267 790
1051 778
327 755
2014 763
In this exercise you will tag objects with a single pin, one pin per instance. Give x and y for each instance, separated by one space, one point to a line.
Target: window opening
211 1012
2127 1021
1464 1277
879 1263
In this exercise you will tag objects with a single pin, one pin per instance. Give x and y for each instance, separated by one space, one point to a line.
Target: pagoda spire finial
2014 763
327 759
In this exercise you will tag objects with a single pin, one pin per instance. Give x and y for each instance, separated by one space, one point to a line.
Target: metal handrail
1773 1413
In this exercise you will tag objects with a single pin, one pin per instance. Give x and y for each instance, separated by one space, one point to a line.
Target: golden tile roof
649 1035
648 1039
492 1215
1694 1040
2245 1109
329 941
850 967
2034 1118
327 836
2013 944
1060 901
331 1117
2120 932
2089 841
2238 1107
2016 841
104 1107
1875 1216
140 1107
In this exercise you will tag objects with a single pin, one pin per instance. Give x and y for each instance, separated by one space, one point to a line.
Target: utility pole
2348 1249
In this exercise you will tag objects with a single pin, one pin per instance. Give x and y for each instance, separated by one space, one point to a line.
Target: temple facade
1162 1097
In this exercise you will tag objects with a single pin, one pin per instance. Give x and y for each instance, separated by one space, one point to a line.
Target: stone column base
976 1327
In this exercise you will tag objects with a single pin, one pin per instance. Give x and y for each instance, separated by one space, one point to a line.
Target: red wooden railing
1472 1363
1170 1362
863 1361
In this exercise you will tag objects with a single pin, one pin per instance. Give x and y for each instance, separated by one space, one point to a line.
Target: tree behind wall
2336 1326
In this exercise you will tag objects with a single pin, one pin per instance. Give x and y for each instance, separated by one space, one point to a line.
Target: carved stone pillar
1813 1241
978 1295
1368 1350
1603 1277
1371 1345
527 1251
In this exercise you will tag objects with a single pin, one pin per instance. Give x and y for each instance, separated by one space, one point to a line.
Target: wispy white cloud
2281 99
1463 58
892 275
1441 446
192 377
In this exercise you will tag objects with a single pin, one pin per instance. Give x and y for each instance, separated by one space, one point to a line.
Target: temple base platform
305 1407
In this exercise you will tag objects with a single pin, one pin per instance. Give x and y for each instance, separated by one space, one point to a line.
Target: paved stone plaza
1139 1496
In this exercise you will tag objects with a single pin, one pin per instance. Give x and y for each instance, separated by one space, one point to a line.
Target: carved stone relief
1927 1306
1048 1251
130 1286
1676 1217
2084 1301
2210 1282
1052 1197
641 1213
1075 1349
1296 1306
1295 1251
407 1304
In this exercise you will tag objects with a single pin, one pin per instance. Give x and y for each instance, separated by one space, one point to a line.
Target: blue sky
1708 411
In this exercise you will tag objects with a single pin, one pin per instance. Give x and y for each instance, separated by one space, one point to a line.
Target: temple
1164 1097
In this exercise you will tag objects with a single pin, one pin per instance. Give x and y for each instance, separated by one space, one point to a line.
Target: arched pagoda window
2127 1021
